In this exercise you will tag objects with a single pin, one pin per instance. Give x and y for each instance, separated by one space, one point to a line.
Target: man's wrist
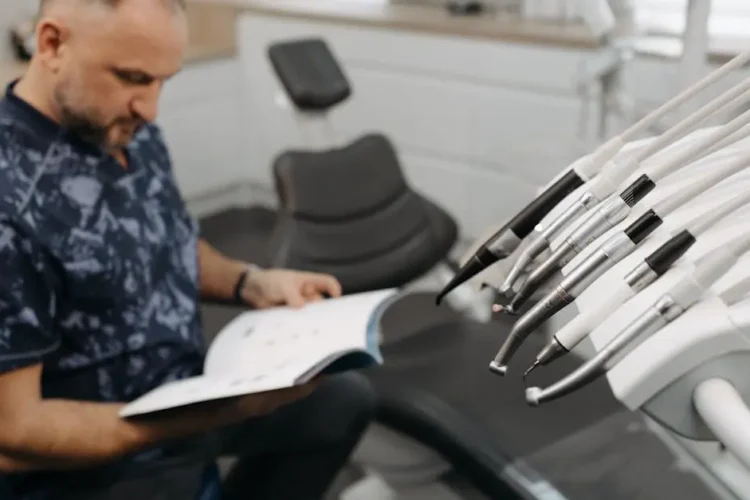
242 282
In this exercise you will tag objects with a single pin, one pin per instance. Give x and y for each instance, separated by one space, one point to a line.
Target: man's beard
84 123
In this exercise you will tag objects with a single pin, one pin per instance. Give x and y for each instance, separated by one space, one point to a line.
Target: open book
276 348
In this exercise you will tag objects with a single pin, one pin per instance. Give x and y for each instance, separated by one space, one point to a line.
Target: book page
201 389
290 341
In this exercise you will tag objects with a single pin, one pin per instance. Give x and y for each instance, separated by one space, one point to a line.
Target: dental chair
346 207
347 210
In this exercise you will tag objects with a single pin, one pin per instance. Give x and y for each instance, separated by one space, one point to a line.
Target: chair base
398 468
372 487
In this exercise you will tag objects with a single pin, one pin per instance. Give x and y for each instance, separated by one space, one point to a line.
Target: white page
202 389
260 342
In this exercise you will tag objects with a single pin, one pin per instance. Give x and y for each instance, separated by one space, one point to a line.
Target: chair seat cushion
436 387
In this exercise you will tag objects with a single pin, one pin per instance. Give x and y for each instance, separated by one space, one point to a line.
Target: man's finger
311 292
294 297
327 283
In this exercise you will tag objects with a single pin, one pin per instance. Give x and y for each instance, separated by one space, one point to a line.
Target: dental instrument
679 298
646 272
508 238
616 208
613 250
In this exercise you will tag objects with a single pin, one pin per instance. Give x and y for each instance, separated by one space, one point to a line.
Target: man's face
111 69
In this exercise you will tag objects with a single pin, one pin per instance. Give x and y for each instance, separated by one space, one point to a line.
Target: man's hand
279 287
38 433
263 403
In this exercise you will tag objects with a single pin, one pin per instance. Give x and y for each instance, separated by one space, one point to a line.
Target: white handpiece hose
654 116
709 269
736 292
688 154
727 168
741 134
591 166
582 325
707 221
610 180
727 416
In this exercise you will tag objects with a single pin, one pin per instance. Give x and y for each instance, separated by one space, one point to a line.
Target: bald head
103 62
174 4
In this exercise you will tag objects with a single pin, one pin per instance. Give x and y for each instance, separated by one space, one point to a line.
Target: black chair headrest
309 72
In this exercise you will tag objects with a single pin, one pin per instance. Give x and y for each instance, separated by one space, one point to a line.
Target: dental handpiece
683 295
648 271
509 237
612 251
726 146
615 173
616 209
552 230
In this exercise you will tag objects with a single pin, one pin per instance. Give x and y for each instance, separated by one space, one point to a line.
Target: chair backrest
350 212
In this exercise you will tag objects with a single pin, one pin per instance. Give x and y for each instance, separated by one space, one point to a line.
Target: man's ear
51 42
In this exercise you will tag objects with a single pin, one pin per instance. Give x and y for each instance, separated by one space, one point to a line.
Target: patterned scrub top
98 267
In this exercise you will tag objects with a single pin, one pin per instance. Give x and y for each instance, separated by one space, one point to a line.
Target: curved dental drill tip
532 395
533 319
500 308
507 309
517 301
531 368
498 369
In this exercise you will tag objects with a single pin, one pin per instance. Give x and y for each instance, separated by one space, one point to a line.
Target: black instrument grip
526 220
643 226
662 259
637 190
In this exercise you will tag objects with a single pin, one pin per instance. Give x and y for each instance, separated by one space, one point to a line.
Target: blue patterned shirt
98 263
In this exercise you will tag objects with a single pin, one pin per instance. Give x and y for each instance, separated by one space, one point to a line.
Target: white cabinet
203 121
480 125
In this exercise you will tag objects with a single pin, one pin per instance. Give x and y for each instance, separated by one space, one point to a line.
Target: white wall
203 119
11 12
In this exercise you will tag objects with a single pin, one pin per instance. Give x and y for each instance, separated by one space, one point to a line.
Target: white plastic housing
704 332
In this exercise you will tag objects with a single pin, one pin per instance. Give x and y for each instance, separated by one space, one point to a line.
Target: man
101 275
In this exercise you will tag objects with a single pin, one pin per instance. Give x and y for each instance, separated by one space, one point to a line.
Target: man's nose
146 103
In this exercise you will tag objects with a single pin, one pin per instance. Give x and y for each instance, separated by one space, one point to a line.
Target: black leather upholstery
350 212
310 73
436 387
